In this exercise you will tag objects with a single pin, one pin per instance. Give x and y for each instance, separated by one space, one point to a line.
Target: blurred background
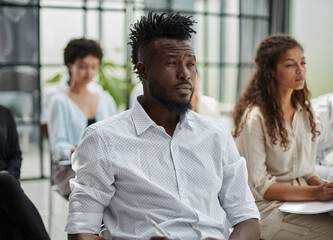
33 34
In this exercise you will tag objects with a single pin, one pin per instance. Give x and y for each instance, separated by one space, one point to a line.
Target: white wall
311 23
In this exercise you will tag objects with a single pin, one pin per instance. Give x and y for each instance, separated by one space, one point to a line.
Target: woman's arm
281 192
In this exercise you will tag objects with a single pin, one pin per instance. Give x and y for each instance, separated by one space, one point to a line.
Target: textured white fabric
128 168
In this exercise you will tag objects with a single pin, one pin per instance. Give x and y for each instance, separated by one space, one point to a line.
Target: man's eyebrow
171 55
191 55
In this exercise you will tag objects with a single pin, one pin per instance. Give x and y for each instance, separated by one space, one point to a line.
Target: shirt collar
299 108
142 121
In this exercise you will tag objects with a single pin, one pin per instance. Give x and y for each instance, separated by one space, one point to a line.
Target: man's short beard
177 107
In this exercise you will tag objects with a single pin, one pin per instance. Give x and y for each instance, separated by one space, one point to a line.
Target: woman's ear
142 70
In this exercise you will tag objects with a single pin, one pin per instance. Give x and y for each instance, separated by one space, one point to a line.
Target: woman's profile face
83 70
290 70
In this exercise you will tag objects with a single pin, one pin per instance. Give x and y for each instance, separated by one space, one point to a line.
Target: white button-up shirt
128 169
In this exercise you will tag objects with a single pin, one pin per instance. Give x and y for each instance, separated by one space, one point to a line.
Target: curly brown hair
262 91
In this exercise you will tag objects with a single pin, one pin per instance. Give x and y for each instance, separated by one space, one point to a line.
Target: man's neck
160 115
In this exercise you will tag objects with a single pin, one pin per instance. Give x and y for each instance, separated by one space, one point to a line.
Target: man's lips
184 88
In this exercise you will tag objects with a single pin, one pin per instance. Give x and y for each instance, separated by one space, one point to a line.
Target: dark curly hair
80 48
262 91
148 29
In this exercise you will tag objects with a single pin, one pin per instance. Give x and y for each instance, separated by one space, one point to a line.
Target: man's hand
246 230
84 236
74 148
163 238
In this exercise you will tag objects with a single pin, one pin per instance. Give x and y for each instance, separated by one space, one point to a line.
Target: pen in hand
159 229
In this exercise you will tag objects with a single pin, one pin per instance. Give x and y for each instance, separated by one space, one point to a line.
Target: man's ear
142 70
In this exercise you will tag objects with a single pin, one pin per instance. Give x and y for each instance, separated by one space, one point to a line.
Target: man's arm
246 230
84 236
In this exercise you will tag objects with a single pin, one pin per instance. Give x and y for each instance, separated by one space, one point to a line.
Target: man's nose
183 72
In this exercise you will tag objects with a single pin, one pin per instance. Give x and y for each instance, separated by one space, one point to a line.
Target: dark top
91 121
10 153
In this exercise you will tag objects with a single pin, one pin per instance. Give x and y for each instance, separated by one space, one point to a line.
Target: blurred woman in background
276 132
72 111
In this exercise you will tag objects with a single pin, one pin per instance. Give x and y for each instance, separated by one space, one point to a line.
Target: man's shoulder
113 124
206 122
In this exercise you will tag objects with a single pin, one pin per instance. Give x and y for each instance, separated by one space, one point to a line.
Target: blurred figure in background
51 90
323 109
19 218
78 107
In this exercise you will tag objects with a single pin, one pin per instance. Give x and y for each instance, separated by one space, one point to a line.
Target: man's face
171 73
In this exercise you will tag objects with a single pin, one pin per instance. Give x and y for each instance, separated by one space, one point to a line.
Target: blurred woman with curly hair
275 131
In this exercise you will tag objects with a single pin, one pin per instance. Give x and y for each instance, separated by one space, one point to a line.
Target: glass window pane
19 86
93 24
245 74
198 38
114 42
93 3
255 7
230 6
29 144
156 4
57 31
213 81
62 3
18 35
20 2
229 84
184 5
214 42
230 40
252 32
114 4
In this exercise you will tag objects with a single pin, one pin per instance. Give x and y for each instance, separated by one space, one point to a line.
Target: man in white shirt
159 160
323 109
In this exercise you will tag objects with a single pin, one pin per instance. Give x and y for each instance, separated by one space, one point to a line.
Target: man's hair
148 29
80 48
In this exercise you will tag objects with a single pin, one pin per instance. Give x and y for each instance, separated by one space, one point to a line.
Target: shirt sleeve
92 188
58 128
14 157
235 195
251 145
